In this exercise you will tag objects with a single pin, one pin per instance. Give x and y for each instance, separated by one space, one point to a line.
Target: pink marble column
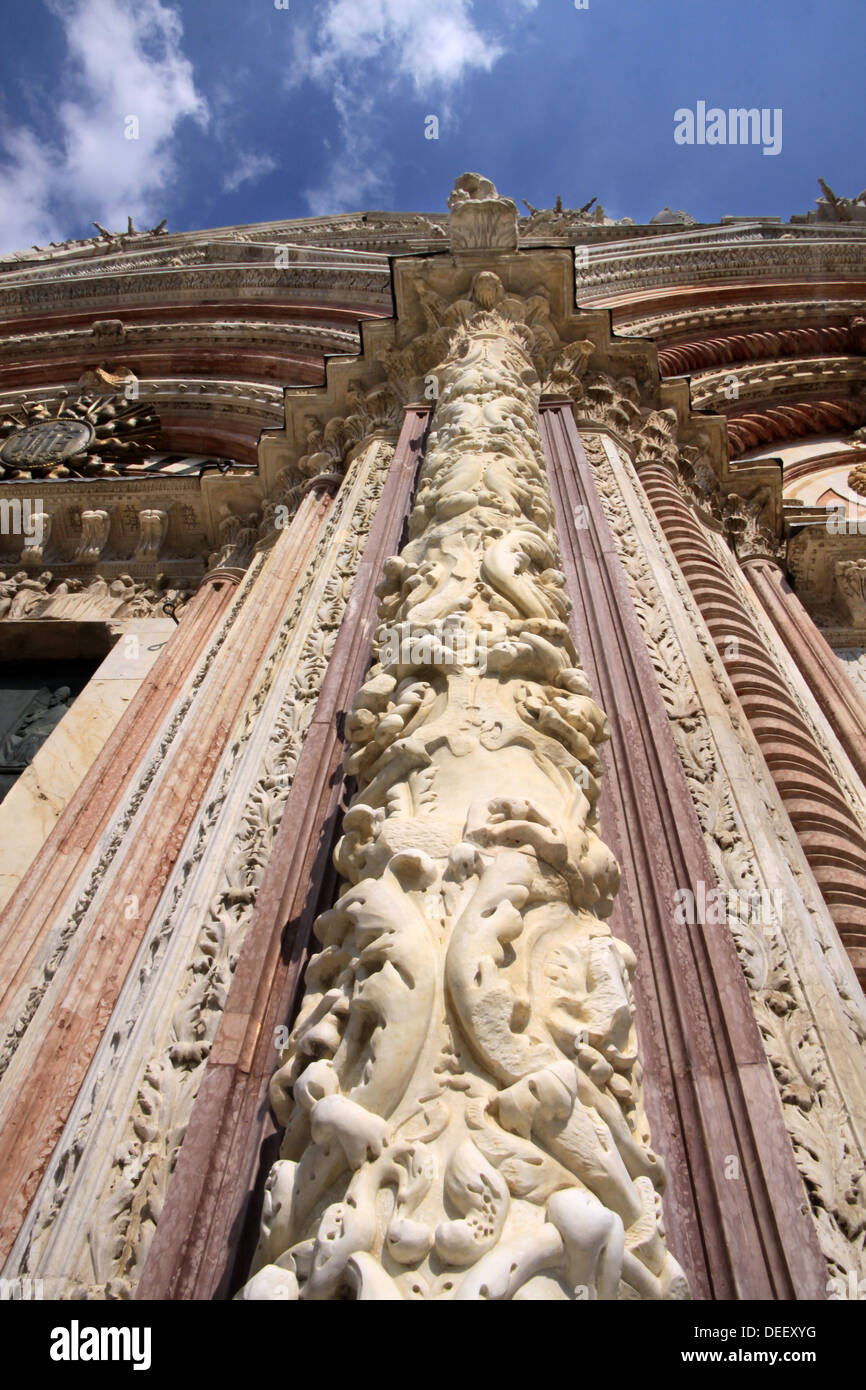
818 663
707 1085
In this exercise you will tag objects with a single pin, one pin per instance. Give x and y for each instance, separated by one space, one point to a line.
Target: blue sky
247 113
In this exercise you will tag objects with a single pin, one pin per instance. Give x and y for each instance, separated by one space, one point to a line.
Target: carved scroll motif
461 1092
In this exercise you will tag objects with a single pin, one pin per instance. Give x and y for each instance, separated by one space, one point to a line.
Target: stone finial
480 219
673 218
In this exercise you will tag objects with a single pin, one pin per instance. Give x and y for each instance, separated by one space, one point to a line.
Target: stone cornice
672 326
219 335
790 376
144 284
611 272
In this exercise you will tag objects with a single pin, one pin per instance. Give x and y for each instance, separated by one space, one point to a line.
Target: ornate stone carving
851 586
857 479
831 208
153 525
238 535
370 412
44 598
480 219
568 222
34 549
110 241
461 1090
831 376
559 365
767 318
119 1230
95 526
85 438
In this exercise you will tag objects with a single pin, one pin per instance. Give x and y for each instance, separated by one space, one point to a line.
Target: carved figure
461 1091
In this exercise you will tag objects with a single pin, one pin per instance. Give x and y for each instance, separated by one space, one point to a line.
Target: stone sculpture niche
461 1093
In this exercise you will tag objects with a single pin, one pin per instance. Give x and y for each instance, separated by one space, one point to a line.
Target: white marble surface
30 811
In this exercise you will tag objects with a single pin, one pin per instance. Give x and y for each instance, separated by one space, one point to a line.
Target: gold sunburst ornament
89 437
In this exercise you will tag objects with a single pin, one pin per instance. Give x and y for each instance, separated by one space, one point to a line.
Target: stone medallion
45 444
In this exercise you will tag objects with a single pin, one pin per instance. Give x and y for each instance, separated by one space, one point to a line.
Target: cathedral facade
433 758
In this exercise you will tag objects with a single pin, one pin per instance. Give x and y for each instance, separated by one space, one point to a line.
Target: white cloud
357 177
435 45
124 61
248 168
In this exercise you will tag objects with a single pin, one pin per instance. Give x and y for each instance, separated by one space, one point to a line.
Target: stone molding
704 353
840 702
92 927
757 381
733 255
188 956
206 1231
807 1002
697 1029
833 841
752 318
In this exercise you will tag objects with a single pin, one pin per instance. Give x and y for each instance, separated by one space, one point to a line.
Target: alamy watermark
23 1290
737 126
709 905
77 1343
840 524
444 642
21 516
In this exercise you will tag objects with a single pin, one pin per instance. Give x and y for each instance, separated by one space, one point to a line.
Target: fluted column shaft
833 841
818 663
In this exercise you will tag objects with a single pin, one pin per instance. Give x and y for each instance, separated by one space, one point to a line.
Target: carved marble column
833 840
837 697
461 1091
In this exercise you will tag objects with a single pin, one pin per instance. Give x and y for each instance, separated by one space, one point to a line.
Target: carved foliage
826 1149
461 1091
